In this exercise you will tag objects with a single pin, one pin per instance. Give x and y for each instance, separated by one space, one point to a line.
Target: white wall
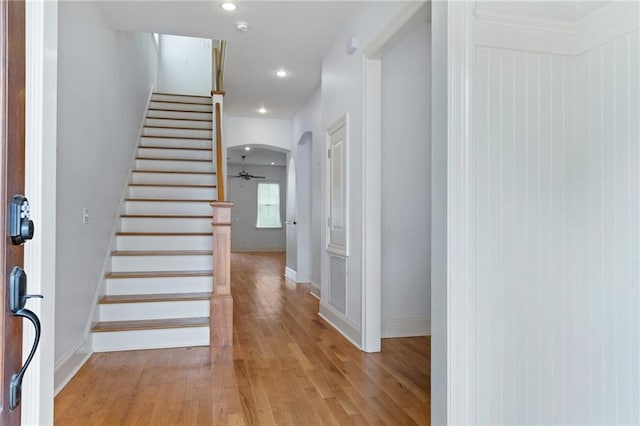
104 80
309 150
275 133
243 193
406 186
342 94
555 194
184 66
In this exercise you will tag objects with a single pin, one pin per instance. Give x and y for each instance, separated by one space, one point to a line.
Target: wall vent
338 283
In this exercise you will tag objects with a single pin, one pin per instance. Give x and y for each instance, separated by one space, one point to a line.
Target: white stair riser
168 207
161 285
167 122
163 242
154 310
176 142
180 114
174 166
174 178
206 100
161 263
150 339
177 133
129 224
181 107
174 193
187 154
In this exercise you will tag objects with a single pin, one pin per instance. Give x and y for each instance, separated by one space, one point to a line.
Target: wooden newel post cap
221 212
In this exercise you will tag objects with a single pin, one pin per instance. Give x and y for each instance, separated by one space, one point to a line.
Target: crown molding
494 28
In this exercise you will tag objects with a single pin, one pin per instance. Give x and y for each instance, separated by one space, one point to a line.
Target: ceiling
256 156
292 35
565 10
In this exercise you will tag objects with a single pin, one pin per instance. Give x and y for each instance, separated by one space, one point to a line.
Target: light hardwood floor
287 367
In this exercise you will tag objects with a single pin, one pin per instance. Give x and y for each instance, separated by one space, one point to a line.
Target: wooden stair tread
176 137
162 253
174 172
177 128
160 234
164 216
180 200
159 274
182 95
150 324
172 185
175 159
149 298
180 102
174 147
180 110
182 119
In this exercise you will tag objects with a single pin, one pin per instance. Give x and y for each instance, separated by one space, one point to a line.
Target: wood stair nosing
162 253
107 326
170 185
163 216
151 298
181 102
162 234
193 160
179 110
177 137
181 95
174 147
174 172
181 200
176 128
159 274
183 119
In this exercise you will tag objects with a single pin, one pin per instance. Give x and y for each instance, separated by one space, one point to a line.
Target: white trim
341 323
314 288
291 274
40 187
407 327
371 204
460 301
71 364
266 250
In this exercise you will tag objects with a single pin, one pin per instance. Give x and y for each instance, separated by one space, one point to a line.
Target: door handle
17 301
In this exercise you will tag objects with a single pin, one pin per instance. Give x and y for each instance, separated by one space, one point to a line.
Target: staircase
158 292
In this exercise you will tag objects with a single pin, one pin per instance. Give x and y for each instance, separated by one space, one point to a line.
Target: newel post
221 316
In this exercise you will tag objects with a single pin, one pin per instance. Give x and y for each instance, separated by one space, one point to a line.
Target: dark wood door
12 111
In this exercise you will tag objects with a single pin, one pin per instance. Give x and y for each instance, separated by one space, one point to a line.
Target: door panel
337 241
12 111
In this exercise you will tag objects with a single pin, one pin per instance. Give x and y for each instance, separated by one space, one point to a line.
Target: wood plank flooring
287 367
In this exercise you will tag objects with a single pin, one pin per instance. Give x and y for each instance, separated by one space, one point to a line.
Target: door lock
17 301
20 226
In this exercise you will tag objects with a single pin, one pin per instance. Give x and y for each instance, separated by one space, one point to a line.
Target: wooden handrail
219 156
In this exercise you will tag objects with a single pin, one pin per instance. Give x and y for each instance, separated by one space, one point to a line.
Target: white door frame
40 188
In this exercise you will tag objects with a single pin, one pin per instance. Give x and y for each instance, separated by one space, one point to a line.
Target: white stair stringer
158 292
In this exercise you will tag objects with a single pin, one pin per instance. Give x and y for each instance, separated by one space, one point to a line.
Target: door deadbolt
21 227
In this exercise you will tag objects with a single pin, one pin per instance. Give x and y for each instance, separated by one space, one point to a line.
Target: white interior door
337 185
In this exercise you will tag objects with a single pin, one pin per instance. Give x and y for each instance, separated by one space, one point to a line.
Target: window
268 206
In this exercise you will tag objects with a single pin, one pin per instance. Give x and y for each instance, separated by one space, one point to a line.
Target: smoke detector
242 26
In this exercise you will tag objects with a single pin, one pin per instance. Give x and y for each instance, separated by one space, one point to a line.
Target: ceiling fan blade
257 177
232 176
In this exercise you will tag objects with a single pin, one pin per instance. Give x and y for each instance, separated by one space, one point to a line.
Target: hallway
287 366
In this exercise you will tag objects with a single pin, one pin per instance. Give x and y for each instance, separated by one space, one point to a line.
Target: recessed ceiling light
273 163
262 110
281 73
247 148
229 6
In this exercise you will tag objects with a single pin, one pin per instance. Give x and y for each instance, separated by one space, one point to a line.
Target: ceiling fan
243 173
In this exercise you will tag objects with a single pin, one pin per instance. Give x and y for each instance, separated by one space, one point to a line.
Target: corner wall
104 80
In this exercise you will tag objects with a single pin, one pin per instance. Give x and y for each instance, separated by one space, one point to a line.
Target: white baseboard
70 365
265 250
291 274
409 327
342 324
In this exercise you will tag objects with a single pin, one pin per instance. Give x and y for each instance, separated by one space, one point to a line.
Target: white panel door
337 190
